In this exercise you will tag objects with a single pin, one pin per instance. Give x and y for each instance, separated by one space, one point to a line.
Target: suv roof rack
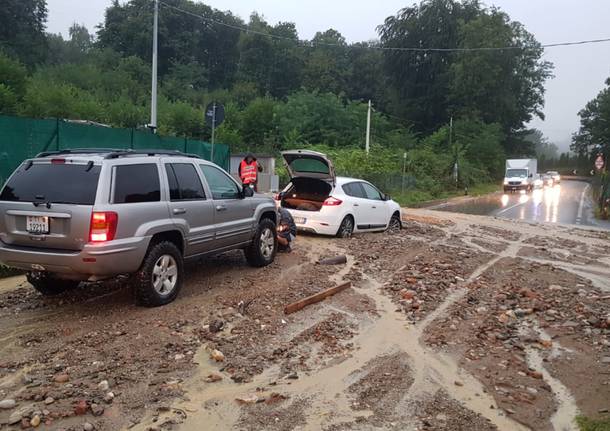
113 153
76 151
122 153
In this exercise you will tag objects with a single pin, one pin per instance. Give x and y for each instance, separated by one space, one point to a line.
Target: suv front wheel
261 252
160 277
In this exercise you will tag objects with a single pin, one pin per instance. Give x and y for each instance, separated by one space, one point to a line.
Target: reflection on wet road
567 203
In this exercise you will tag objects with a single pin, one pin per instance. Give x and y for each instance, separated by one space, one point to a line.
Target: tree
12 84
419 80
326 64
594 130
503 86
183 38
367 81
73 50
22 29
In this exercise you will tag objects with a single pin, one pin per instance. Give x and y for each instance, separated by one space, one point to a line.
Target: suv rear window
136 183
55 183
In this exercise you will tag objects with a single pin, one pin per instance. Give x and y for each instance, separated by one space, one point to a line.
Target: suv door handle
374 207
356 205
179 211
221 208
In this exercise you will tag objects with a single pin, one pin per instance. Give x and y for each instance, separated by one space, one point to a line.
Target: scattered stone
216 325
211 378
49 400
109 397
602 410
247 399
80 408
606 360
7 404
61 378
35 421
535 374
458 383
292 376
87 426
97 410
179 357
407 294
546 343
14 418
532 391
217 355
103 385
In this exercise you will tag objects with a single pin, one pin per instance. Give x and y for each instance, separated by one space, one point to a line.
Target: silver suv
91 214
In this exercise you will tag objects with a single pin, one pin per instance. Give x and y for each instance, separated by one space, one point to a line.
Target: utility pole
455 166
368 129
404 170
213 131
153 99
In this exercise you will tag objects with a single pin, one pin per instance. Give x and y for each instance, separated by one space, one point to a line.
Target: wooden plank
317 297
337 260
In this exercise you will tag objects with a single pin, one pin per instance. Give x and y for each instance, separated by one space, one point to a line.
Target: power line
384 48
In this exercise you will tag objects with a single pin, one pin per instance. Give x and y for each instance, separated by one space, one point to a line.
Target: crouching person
286 230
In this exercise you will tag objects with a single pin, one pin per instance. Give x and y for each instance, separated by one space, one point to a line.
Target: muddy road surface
458 322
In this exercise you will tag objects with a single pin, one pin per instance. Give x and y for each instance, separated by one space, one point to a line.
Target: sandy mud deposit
456 323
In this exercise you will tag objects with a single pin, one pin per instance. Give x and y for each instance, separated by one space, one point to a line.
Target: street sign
214 114
599 162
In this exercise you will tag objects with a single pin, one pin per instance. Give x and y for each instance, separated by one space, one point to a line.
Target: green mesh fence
22 138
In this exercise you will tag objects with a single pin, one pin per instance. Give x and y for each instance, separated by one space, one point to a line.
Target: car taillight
103 226
332 202
58 161
277 197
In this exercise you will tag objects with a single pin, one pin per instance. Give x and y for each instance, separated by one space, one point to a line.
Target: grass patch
587 424
416 197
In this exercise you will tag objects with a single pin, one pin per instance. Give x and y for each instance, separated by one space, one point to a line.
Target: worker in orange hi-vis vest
248 171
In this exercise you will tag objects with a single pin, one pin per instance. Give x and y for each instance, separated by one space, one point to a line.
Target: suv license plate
300 220
37 224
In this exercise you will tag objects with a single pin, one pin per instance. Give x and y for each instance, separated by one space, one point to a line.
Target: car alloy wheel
165 275
267 243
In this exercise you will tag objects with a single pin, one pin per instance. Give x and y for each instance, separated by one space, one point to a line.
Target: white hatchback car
323 203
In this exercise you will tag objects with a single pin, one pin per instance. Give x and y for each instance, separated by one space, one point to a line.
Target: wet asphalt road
567 203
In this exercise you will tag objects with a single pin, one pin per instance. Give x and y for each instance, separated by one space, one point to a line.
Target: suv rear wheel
159 279
49 285
264 245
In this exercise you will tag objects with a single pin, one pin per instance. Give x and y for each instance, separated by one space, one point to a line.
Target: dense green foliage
283 92
594 133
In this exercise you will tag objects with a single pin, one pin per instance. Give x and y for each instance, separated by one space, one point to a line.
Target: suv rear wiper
47 204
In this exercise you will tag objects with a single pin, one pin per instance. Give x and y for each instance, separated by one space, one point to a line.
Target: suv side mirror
247 192
386 197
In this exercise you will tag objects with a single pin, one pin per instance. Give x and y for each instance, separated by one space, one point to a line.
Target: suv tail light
332 202
103 226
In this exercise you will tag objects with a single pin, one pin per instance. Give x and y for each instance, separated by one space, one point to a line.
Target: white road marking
510 208
581 204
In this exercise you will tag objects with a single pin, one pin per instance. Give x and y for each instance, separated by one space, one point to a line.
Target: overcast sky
580 71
